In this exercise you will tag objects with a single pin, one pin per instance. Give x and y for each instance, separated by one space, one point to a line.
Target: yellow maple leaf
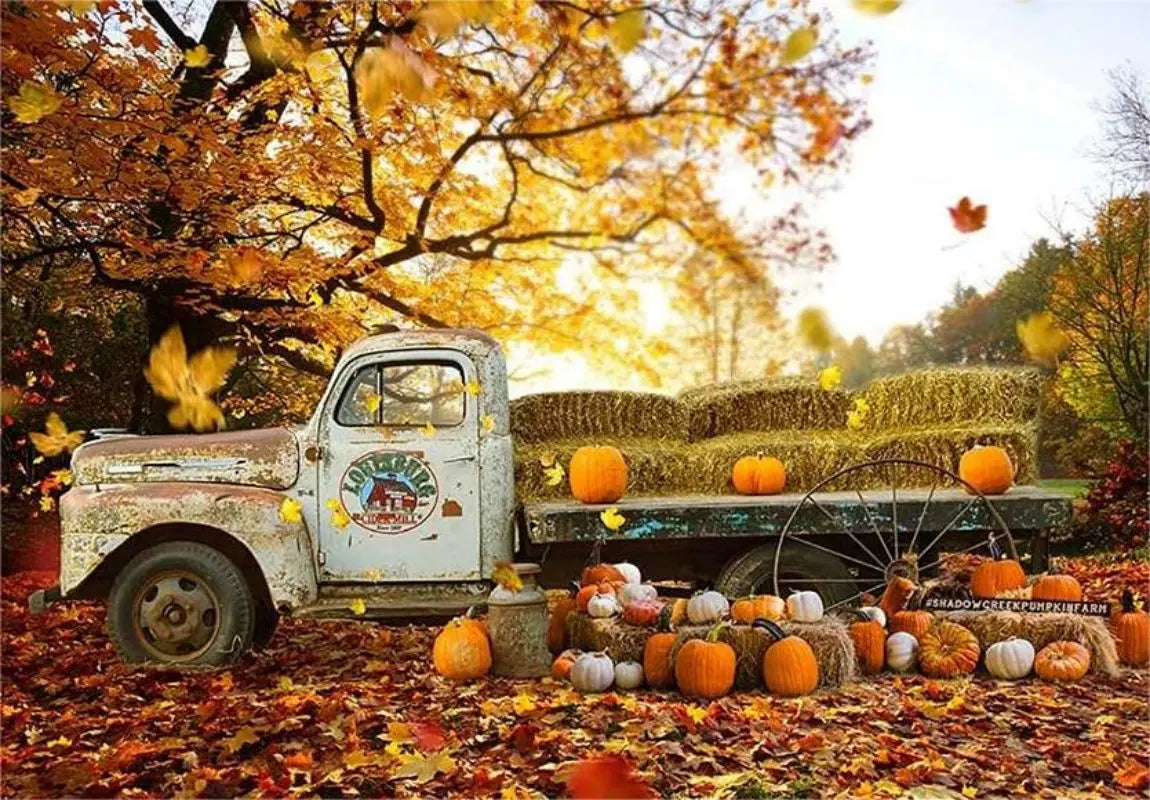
25 197
554 474
62 741
1042 339
33 102
487 422
372 402
814 329
189 383
384 72
830 378
421 768
315 298
854 420
876 7
198 56
428 429
77 7
56 438
245 735
47 503
291 511
445 17
969 791
798 44
611 518
628 29
63 476
339 517
524 703
358 607
472 388
862 405
547 460
506 576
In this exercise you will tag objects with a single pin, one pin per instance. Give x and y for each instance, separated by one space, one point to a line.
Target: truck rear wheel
181 603
753 572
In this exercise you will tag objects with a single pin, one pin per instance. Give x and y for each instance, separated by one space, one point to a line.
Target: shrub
1114 514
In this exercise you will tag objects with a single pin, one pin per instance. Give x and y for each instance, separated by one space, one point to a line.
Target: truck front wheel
181 603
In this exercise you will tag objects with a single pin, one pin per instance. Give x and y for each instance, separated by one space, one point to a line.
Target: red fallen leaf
967 217
523 737
428 736
1133 776
812 741
299 760
606 778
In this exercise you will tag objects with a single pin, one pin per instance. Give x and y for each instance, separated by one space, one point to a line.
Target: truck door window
415 394
404 395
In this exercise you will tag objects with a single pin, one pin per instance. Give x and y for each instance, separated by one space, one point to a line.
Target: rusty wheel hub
177 615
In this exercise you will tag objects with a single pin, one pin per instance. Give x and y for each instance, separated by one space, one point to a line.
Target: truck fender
103 528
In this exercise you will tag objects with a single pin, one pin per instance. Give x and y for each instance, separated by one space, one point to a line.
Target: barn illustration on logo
389 491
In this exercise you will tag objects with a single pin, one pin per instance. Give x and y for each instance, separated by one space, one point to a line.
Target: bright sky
989 99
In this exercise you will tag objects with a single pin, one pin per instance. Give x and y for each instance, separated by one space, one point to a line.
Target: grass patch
1071 487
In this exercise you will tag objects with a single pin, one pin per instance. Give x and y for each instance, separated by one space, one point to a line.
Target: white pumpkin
628 675
901 651
1010 660
805 607
592 672
633 592
875 613
629 572
706 607
603 605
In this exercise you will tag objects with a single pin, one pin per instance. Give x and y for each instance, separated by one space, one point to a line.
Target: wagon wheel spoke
894 515
834 553
874 525
951 524
845 529
921 517
854 597
970 549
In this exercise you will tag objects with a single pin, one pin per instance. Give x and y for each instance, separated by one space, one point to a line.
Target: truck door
399 472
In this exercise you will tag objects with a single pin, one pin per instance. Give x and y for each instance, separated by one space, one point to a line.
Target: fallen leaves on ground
334 708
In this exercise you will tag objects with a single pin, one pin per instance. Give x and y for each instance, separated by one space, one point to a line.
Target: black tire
232 623
753 572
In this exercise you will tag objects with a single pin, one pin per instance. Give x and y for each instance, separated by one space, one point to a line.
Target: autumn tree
288 175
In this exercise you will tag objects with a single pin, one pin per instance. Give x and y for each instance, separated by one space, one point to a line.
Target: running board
395 600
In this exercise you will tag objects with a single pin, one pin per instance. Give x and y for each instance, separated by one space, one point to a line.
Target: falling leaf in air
627 30
78 7
372 402
198 56
967 217
487 422
856 417
876 7
25 197
358 607
339 517
384 72
606 777
830 377
506 576
814 329
291 511
428 429
56 438
553 475
445 17
472 388
63 476
1042 339
611 518
33 102
47 503
798 44
189 383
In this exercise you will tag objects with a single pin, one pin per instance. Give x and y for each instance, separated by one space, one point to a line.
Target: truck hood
267 458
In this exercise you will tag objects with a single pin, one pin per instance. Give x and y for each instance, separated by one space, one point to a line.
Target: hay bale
834 651
943 446
654 467
762 405
954 396
598 415
1042 629
619 640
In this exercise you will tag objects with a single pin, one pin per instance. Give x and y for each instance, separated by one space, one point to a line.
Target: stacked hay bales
687 445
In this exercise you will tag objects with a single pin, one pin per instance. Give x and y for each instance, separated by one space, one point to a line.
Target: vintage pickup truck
400 492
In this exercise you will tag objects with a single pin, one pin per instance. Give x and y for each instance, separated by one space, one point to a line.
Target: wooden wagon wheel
879 552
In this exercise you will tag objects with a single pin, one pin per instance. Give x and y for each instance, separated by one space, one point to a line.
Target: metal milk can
517 624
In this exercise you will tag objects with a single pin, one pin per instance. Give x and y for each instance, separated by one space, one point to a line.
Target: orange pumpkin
643 613
898 591
948 650
870 645
561 666
760 606
789 665
705 667
916 623
657 667
1132 630
462 651
1062 661
987 469
759 475
1057 587
994 576
601 573
598 474
557 621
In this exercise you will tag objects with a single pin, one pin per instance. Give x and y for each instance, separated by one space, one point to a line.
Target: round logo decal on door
389 491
